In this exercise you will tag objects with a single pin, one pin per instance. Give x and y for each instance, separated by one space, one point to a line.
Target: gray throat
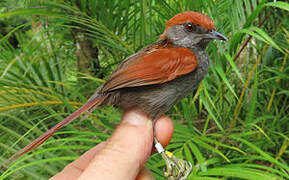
202 58
193 79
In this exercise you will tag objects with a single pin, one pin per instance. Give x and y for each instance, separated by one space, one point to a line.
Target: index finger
74 170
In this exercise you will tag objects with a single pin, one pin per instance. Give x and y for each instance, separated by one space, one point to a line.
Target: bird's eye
209 31
190 27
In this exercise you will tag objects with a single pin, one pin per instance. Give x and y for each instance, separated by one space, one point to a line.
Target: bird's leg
177 169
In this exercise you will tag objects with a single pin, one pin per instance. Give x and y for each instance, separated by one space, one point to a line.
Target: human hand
124 154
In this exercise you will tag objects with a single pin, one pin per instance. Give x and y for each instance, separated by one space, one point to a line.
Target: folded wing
152 67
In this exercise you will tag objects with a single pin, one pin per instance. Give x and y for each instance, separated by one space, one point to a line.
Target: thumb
126 151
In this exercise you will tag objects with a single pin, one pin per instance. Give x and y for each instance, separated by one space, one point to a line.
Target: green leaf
279 4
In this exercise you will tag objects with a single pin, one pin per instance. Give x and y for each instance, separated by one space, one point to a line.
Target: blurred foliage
234 127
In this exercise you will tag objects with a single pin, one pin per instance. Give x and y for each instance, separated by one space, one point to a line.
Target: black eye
190 27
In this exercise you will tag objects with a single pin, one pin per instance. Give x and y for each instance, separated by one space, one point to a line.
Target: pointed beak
216 35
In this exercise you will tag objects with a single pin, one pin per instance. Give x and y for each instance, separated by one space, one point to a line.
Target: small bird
156 77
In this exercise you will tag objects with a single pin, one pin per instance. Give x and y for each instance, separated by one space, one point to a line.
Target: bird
156 77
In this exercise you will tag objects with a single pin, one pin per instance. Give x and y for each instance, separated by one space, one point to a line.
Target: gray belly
155 100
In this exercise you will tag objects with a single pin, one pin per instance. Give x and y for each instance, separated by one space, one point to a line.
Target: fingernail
136 117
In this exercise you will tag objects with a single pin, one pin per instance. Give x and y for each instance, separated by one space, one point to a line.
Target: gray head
190 29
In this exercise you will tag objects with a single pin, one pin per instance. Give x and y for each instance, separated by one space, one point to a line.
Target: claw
177 169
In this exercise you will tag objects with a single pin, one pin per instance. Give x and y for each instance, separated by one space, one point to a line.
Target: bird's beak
216 35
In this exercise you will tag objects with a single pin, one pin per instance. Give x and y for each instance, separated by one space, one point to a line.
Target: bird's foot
177 169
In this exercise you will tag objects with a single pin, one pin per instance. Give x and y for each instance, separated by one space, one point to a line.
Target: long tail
92 102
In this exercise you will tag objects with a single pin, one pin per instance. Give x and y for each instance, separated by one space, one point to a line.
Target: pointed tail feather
93 102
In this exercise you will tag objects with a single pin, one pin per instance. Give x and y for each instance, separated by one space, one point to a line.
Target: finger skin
124 154
164 130
126 151
145 174
75 169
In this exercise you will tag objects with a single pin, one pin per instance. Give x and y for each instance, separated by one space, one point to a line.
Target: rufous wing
155 66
